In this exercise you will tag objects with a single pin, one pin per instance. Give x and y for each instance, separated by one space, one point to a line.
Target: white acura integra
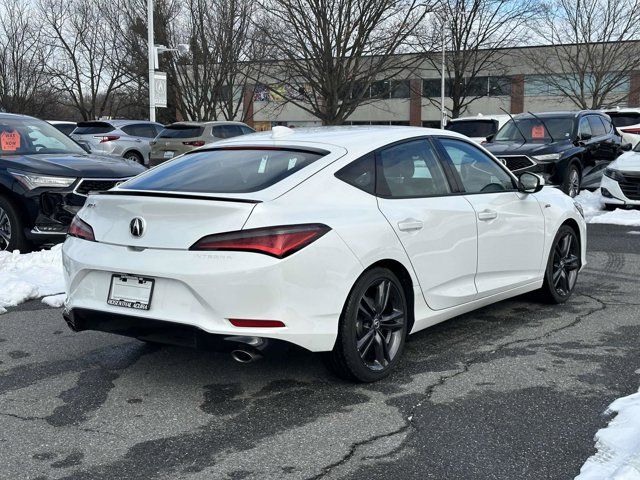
338 240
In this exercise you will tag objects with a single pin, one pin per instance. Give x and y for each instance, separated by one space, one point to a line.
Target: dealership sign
160 87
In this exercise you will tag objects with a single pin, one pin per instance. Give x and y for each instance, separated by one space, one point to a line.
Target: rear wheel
135 156
572 181
11 228
562 267
372 329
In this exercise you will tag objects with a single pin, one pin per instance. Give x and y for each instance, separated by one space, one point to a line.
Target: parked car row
568 149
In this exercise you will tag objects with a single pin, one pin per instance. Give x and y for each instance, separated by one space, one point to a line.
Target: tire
562 269
11 228
571 181
135 156
380 325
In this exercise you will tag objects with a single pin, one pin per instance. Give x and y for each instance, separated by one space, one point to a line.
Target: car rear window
226 131
229 170
473 128
93 128
624 119
181 131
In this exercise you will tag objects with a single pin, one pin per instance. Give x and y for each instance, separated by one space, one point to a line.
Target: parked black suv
569 149
45 178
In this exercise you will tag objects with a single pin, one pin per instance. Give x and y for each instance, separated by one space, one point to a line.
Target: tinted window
534 131
65 128
597 127
473 128
411 169
584 127
27 136
478 172
140 130
181 131
225 171
624 119
93 128
226 131
246 130
360 173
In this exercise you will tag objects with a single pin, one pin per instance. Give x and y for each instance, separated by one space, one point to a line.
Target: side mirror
626 147
490 138
585 136
530 183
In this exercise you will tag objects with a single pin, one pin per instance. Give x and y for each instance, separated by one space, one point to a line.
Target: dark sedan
45 178
569 149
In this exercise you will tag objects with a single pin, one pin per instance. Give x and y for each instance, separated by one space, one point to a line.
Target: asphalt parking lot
515 390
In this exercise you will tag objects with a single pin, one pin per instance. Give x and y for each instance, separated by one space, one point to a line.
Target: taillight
107 138
635 131
194 143
81 229
278 242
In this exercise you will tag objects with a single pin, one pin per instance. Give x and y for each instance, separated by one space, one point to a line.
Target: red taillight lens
635 131
195 143
107 138
81 229
237 322
278 242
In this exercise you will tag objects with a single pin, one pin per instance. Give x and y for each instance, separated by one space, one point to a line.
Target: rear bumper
81 319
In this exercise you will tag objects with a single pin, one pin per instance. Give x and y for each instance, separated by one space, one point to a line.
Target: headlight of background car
549 157
31 181
614 174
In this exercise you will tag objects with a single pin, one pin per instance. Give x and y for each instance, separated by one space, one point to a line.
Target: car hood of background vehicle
74 165
627 162
519 148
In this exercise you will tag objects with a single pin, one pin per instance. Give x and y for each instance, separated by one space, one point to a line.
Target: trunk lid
168 221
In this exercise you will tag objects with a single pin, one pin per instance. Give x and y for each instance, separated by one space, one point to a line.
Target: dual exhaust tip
245 356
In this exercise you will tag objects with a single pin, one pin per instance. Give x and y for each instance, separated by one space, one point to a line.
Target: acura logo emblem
136 227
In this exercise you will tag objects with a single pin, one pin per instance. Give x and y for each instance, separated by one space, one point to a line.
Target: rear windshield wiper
524 139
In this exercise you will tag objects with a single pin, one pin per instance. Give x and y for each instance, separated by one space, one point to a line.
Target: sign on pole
160 85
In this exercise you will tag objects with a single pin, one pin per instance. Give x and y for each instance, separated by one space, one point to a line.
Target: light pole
152 62
443 112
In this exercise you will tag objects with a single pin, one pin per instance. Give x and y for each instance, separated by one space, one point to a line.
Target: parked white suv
125 138
627 122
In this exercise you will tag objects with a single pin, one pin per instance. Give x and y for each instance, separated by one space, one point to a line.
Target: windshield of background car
28 136
473 128
534 130
181 131
225 170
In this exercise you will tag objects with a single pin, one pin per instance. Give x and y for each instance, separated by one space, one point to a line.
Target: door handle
410 225
487 215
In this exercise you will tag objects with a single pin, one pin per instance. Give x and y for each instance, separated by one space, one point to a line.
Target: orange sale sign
9 141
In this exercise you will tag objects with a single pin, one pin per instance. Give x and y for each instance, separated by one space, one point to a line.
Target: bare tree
86 64
213 78
22 55
325 54
593 49
477 35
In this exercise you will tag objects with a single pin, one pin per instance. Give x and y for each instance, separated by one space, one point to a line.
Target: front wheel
562 267
11 228
372 329
572 181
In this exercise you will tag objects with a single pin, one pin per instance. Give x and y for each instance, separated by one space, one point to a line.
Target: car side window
597 127
478 172
226 131
360 173
584 127
246 130
410 169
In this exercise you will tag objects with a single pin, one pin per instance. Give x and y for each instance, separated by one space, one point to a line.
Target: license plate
130 291
169 154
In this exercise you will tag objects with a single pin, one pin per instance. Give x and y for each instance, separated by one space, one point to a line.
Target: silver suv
125 138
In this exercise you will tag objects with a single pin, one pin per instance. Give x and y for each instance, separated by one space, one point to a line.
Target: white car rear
339 240
478 128
627 122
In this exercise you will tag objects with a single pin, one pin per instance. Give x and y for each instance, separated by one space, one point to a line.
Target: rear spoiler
188 196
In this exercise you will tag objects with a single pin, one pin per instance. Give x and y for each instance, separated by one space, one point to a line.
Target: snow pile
618 445
32 275
593 206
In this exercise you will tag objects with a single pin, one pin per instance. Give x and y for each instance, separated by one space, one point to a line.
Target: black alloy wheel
373 328
563 266
5 229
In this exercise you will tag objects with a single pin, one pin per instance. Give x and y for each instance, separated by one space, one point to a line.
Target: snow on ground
33 275
618 445
594 212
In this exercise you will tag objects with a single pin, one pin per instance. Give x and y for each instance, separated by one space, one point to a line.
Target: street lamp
443 111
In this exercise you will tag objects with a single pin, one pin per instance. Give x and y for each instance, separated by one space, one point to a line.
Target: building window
499 86
380 89
544 85
400 89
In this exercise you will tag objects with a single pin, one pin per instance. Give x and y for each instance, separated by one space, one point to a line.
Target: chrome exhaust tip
245 356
